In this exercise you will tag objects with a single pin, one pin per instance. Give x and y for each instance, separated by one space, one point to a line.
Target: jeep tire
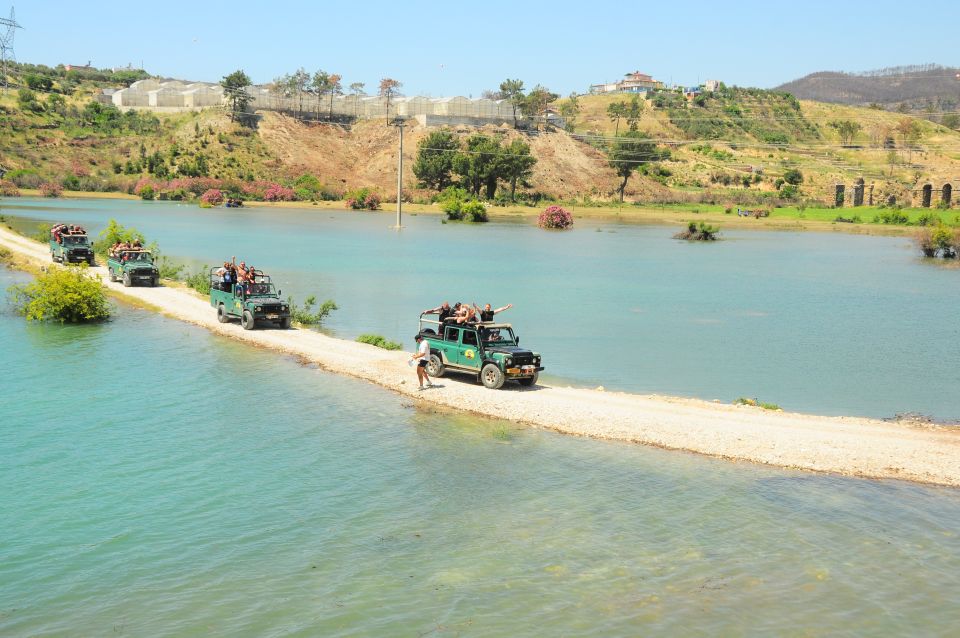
127 281
90 261
154 281
285 323
222 314
435 366
491 376
247 320
529 381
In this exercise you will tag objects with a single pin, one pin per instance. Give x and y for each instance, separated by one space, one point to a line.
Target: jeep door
469 349
451 345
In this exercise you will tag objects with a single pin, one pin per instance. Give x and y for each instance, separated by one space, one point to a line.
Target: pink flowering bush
555 217
212 197
145 183
50 189
363 199
278 193
8 189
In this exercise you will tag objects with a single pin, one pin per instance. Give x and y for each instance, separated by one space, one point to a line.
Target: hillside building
635 82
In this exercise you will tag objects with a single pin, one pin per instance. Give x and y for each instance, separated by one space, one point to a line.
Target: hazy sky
461 48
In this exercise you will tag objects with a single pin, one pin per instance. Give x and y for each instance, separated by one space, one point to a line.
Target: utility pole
398 122
6 43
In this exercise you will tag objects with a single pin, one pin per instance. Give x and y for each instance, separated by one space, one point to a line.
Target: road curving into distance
844 445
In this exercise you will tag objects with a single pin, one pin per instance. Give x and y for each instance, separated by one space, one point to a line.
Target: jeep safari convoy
133 266
487 350
70 246
250 302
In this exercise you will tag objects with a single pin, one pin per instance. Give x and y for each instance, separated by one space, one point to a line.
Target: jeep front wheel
246 320
127 282
435 366
491 376
529 381
285 323
222 314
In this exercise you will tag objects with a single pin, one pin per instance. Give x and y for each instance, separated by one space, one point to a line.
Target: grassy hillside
731 148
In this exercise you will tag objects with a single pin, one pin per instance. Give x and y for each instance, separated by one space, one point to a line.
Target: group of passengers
121 249
462 313
60 230
231 273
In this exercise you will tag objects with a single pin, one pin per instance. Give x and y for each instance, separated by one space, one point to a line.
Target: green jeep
73 248
134 266
488 351
251 303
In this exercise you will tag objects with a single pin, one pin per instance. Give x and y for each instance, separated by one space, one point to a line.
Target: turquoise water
161 481
815 322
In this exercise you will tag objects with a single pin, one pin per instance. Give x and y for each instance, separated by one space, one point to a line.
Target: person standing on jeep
487 313
443 311
422 355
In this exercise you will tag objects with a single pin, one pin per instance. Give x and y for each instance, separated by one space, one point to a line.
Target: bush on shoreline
379 341
362 199
939 241
67 295
306 315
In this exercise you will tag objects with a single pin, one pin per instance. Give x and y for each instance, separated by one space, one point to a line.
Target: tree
634 112
629 153
478 164
357 88
537 101
570 109
793 176
299 86
389 88
847 129
435 158
326 84
951 120
516 165
235 90
38 82
616 111
513 90
910 132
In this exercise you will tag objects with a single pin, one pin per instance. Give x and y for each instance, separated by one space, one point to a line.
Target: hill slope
916 86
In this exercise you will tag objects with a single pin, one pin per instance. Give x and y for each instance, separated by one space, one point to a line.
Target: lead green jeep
488 351
250 302
133 266
71 248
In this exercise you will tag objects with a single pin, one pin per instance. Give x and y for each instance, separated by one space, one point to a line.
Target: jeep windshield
138 257
70 240
498 337
261 290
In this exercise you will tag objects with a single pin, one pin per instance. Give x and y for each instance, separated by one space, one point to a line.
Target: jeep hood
510 350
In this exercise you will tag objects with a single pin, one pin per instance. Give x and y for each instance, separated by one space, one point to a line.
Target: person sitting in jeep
486 315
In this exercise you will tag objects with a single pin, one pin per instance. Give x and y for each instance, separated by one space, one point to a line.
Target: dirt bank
851 446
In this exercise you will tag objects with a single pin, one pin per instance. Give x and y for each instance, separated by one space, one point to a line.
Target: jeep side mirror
518 341
279 292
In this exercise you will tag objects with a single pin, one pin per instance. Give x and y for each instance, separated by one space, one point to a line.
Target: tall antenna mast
6 43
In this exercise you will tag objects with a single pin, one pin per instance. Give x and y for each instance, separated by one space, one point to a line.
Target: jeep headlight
258 308
284 308
508 360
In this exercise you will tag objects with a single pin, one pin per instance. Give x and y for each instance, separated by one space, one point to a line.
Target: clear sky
461 48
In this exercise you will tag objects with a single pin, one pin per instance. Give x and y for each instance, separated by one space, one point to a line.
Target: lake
827 323
159 480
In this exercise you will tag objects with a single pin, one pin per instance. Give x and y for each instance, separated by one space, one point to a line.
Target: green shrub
200 280
167 268
67 295
147 192
788 191
306 315
42 234
698 232
928 219
474 212
379 341
115 232
362 198
892 217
